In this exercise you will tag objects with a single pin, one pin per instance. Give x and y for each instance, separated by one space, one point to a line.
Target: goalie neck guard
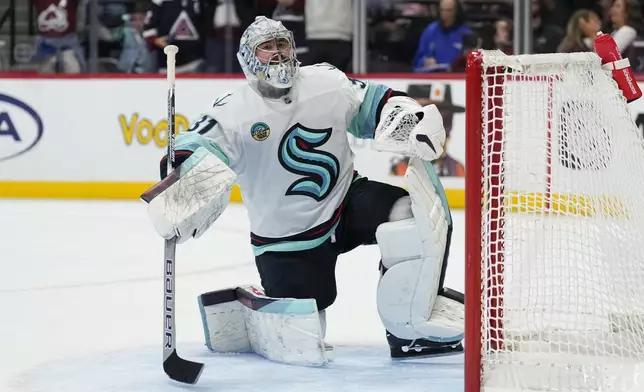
267 57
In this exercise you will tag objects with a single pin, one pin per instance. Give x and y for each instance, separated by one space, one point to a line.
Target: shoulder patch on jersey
260 131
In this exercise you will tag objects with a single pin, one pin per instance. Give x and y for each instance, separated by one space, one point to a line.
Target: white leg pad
284 330
412 252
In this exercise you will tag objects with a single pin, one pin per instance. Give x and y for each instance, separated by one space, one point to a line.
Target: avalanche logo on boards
21 128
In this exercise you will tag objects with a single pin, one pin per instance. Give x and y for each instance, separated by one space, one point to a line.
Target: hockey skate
421 348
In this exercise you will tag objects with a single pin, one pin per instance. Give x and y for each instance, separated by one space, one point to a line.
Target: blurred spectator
556 12
546 36
503 35
176 22
604 14
135 56
58 48
559 12
626 16
394 31
111 26
224 42
110 12
225 21
442 41
581 32
501 39
291 14
329 32
378 6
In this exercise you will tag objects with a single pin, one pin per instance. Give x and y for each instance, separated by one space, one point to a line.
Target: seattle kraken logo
297 154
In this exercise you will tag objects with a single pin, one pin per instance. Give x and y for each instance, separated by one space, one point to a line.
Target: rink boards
102 138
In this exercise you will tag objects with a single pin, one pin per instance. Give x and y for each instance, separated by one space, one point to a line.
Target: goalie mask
267 53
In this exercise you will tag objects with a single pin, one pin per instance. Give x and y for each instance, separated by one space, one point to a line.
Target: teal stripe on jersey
294 246
191 141
363 125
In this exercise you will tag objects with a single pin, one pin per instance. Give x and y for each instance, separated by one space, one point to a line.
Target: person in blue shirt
442 41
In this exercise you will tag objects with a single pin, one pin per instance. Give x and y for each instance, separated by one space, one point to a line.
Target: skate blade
425 356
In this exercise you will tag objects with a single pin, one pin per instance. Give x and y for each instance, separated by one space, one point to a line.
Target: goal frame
474 157
607 341
473 237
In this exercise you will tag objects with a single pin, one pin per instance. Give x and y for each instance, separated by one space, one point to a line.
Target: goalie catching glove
408 128
186 202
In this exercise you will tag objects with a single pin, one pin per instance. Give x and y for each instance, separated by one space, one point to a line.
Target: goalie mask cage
554 227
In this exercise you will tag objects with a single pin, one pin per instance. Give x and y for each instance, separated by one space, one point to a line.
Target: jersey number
358 83
203 125
297 153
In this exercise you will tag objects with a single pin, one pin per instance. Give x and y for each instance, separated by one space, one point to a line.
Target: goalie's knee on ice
300 274
324 294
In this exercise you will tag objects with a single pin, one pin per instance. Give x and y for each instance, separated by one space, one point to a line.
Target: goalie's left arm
395 121
409 128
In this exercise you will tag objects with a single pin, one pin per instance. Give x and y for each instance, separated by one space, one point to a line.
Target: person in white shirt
329 32
626 16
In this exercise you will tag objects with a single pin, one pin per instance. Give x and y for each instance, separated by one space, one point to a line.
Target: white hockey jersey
292 156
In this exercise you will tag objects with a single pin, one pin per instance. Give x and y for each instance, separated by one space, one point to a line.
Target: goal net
555 227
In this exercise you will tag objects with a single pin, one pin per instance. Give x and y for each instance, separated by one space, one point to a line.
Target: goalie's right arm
206 132
186 202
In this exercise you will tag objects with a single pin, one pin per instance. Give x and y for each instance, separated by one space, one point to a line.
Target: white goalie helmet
267 53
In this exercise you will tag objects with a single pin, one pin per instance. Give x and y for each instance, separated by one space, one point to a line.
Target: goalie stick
175 367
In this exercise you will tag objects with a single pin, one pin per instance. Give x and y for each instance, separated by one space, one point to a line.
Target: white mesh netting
562 228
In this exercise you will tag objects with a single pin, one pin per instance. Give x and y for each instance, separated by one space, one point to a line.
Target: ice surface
81 307
354 369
